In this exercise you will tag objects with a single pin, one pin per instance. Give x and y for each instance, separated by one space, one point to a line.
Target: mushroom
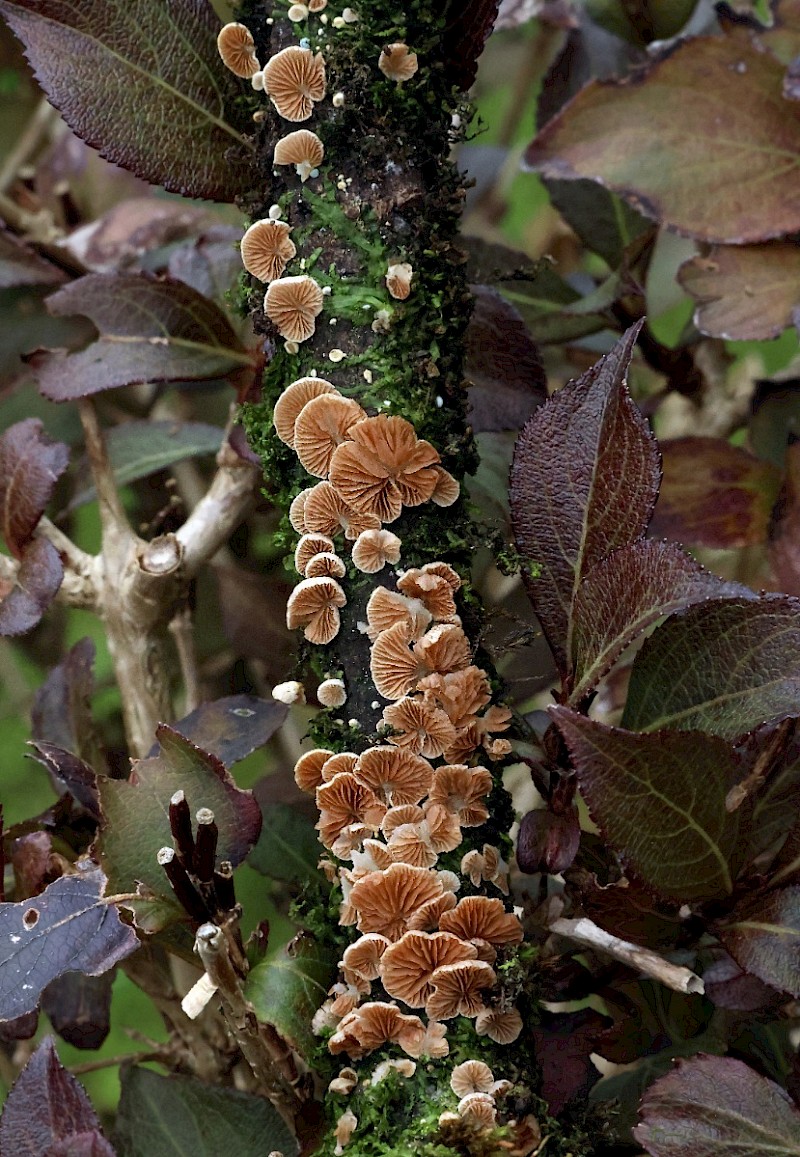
325 563
434 1043
290 692
406 1068
421 727
238 50
373 1024
267 248
479 1109
307 547
385 901
326 512
332 693
323 424
297 510
295 79
407 965
410 844
394 666
443 827
461 694
291 402
396 776
444 648
345 1127
408 813
397 62
398 280
433 591
303 149
384 467
385 608
308 769
344 801
341 761
426 918
317 5
502 1025
314 605
482 918
373 549
297 12
458 989
361 961
447 489
347 1079
293 304
471 1077
461 790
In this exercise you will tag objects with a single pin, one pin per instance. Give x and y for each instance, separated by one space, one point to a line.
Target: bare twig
123 1058
112 516
586 932
36 130
181 630
217 515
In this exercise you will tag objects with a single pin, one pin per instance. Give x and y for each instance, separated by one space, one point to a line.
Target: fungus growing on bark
396 776
373 549
433 591
482 918
421 727
460 694
398 280
326 512
406 1068
344 801
293 304
295 79
361 961
297 510
479 1109
308 769
502 1025
238 50
447 489
326 563
307 547
341 761
471 1077
314 605
426 918
410 844
347 1079
297 12
303 149
458 989
290 692
394 666
443 827
332 693
384 467
407 965
317 5
387 608
345 1128
403 814
290 404
267 248
461 790
385 901
442 649
374 1024
398 62
323 424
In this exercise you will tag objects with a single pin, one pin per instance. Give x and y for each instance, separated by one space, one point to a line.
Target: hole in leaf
31 918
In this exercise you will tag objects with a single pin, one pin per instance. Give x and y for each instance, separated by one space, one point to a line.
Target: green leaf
182 1117
287 989
604 222
744 292
288 847
151 329
763 936
142 82
659 801
726 666
718 1107
704 141
137 449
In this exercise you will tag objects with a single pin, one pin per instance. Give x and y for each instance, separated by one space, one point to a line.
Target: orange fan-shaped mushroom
398 280
326 512
322 425
293 304
238 50
341 761
385 608
461 694
471 1077
361 961
385 901
266 248
374 1024
314 605
426 918
291 402
447 489
385 467
398 62
295 79
325 563
303 149
433 591
307 547
394 666
421 727
479 918
297 510
374 548
458 989
444 648
396 776
502 1025
308 769
461 790
344 801
407 965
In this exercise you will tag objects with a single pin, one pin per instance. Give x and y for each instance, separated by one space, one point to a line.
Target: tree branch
586 932
219 512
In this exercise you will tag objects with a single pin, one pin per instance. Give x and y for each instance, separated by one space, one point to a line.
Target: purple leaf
659 801
714 1107
67 928
469 24
166 114
726 666
784 532
762 934
548 842
151 329
563 1043
629 591
211 264
30 858
583 483
231 728
20 265
70 773
36 585
725 281
118 240
137 823
728 986
47 1109
61 716
503 364
79 1008
30 465
714 494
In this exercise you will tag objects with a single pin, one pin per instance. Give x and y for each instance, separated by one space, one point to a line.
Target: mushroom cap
398 280
308 769
426 918
434 1043
307 547
410 844
471 1077
407 965
290 404
502 1025
374 548
443 827
386 900
325 563
302 148
421 727
432 590
396 776
461 790
479 1109
326 512
362 959
314 605
447 489
341 761
267 248
345 1127
472 865
385 608
394 666
408 813
344 801
347 1079
295 79
384 467
238 50
482 918
293 304
397 62
444 648
406 1068
460 694
332 693
458 989
289 692
297 510
322 425
373 1024
317 5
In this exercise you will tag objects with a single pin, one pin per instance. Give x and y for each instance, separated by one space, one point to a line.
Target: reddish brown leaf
762 934
61 715
70 773
714 494
30 465
79 1008
117 241
784 532
744 292
468 26
727 986
233 727
583 483
20 265
503 364
732 178
37 581
548 842
30 858
564 1043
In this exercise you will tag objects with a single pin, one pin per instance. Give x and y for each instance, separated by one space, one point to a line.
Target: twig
109 1062
586 932
180 628
219 512
767 760
112 516
35 130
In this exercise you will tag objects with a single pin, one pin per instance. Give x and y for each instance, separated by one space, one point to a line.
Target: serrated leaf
629 591
659 801
762 934
138 449
141 81
469 23
68 927
36 585
714 1107
744 292
183 1117
47 1109
286 990
733 178
233 727
151 329
583 482
21 265
30 465
726 666
288 847
137 821
714 494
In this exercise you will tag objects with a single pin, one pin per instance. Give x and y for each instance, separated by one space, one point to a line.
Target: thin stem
643 960
219 512
110 1062
36 130
112 516
182 631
